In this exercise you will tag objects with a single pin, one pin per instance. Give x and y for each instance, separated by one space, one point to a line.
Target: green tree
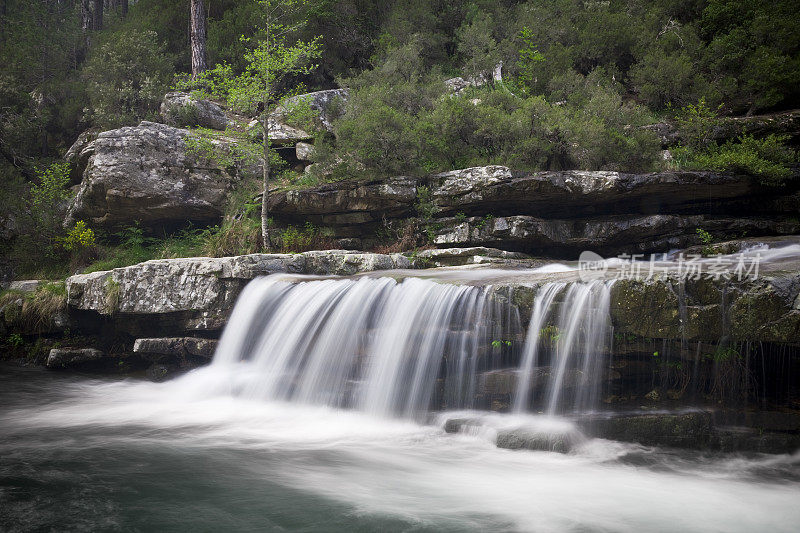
127 76
270 64
478 47
529 59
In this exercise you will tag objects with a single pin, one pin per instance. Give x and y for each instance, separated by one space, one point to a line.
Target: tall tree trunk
86 16
97 15
198 44
265 127
265 195
123 4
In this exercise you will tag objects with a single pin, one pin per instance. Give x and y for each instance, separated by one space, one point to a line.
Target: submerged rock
527 439
683 430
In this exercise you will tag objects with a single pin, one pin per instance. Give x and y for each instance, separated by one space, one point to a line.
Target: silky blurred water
81 454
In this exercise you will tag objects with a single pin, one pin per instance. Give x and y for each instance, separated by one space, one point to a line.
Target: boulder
280 134
73 357
328 104
304 151
184 110
527 439
145 173
25 285
177 347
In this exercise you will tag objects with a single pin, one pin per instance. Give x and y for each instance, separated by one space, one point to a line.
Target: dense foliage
579 80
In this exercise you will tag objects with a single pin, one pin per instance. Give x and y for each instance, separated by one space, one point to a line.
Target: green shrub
236 236
127 76
79 238
767 159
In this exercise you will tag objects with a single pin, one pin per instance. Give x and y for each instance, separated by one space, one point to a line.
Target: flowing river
80 454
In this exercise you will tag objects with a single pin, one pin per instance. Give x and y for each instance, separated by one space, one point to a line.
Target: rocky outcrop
444 257
197 294
145 173
347 206
183 110
606 235
560 213
783 123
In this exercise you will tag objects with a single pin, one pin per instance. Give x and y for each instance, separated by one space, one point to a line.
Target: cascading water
372 344
396 348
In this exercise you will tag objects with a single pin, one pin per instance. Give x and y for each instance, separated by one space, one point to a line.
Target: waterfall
573 340
400 348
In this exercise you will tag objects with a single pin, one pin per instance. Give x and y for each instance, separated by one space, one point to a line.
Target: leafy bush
767 159
309 237
696 124
79 237
127 76
46 199
385 132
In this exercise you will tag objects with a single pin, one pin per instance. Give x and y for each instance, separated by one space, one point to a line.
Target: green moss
645 309
112 294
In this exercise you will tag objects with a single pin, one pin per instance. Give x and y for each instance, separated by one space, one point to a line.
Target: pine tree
198 37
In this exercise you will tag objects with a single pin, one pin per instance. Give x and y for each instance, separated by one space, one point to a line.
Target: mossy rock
645 309
765 315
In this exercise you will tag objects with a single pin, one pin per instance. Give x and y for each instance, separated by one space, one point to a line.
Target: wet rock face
171 355
197 294
176 347
145 173
689 430
183 110
707 310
